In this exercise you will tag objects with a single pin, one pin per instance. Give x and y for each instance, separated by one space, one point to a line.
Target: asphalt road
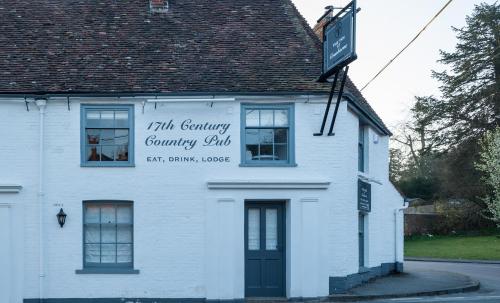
487 274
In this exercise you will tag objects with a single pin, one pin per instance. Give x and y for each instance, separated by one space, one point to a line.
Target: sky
384 27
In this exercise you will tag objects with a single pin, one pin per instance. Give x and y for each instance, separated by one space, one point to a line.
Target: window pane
361 135
121 118
281 117
124 214
121 115
108 233
92 234
281 152
271 229
281 135
252 117
124 253
254 229
361 162
107 136
266 118
93 115
108 253
266 136
107 214
92 214
92 253
107 118
92 136
266 152
124 234
107 153
93 153
121 153
121 136
252 152
252 136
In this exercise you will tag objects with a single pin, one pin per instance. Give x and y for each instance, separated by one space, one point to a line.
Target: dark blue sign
364 196
339 46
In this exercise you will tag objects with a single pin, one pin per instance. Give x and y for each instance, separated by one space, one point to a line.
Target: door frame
247 204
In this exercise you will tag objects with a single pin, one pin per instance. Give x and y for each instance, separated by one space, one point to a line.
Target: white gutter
396 214
41 103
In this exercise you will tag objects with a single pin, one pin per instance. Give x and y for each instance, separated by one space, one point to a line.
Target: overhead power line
408 45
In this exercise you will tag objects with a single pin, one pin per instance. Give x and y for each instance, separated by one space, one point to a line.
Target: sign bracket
339 98
328 105
327 110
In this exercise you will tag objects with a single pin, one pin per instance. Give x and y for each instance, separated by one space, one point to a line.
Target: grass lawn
454 247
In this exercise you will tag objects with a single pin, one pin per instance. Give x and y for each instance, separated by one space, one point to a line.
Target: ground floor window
108 234
361 232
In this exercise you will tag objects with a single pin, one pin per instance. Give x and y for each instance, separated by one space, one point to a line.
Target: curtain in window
108 234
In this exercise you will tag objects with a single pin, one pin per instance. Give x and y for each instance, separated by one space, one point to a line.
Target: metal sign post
339 49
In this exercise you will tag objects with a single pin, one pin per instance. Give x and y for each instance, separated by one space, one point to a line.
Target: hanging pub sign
339 44
364 196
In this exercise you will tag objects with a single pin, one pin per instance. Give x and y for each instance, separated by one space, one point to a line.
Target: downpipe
41 104
396 234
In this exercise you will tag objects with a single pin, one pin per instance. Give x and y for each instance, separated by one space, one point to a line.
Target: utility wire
410 43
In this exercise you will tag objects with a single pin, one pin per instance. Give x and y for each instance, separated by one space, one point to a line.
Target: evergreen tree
470 86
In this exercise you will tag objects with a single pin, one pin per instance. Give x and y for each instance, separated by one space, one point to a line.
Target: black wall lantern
61 217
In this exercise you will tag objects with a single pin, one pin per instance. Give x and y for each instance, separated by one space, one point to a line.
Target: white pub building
163 151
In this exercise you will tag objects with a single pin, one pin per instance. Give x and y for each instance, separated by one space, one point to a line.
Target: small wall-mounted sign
364 196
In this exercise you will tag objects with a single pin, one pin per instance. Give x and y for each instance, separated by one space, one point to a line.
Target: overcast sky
384 27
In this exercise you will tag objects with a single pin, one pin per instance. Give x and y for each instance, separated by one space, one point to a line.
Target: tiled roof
109 46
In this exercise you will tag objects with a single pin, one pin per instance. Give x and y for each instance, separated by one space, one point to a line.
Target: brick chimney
318 28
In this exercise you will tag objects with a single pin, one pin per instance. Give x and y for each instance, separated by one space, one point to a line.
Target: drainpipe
396 235
41 103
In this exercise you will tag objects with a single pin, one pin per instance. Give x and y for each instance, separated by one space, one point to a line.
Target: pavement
412 283
442 282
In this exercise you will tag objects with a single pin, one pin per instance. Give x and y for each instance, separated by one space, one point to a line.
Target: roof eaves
367 114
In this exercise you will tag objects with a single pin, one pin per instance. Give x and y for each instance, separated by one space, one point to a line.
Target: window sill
112 271
268 165
363 269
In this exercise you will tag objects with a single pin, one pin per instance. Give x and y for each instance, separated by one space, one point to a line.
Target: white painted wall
5 254
188 239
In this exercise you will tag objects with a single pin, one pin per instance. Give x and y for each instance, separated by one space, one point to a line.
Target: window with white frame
107 135
108 234
267 135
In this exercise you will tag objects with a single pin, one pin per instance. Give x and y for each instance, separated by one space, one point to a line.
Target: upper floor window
267 135
107 135
362 148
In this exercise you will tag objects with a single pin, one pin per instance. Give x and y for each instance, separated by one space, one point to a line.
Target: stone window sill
112 271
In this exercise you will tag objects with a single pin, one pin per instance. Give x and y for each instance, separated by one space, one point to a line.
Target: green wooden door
264 249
